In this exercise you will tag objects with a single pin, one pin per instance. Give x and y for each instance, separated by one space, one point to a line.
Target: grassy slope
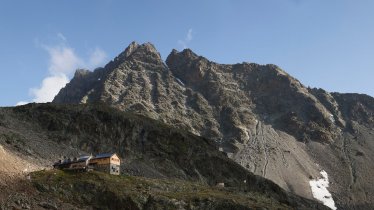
127 192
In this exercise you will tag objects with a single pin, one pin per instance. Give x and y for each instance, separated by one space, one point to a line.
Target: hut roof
103 155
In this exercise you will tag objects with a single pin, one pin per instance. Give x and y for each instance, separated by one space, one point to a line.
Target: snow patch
320 192
180 81
332 118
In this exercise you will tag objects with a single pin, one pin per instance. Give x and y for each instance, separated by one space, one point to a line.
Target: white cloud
22 103
187 39
61 36
49 88
63 61
189 35
97 57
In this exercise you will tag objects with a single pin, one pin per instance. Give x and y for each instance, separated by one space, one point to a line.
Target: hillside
62 190
262 117
42 133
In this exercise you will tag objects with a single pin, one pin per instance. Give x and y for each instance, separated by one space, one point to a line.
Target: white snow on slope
320 192
180 81
332 118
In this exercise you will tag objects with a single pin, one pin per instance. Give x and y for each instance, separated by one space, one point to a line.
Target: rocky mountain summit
262 117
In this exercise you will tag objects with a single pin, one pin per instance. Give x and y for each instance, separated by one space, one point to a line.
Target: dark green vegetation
103 191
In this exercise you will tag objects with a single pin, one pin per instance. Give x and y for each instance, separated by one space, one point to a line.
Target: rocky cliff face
265 119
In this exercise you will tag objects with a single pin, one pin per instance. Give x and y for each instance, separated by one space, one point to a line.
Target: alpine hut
106 162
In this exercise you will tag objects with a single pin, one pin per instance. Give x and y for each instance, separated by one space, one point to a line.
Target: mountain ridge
262 117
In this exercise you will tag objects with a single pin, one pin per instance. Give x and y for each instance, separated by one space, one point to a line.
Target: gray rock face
265 119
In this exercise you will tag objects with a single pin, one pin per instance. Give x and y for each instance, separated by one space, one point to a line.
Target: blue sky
323 43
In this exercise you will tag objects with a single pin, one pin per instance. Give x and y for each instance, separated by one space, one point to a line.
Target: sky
327 44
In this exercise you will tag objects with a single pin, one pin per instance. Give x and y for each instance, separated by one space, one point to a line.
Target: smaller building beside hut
106 162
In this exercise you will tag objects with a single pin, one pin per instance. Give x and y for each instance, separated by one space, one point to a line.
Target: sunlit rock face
262 117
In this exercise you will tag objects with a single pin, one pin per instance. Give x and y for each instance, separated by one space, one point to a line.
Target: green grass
100 189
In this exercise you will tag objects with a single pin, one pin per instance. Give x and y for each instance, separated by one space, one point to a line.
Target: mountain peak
145 52
81 72
189 53
131 48
185 54
176 58
148 46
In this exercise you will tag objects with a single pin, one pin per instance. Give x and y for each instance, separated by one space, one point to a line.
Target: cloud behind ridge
63 61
